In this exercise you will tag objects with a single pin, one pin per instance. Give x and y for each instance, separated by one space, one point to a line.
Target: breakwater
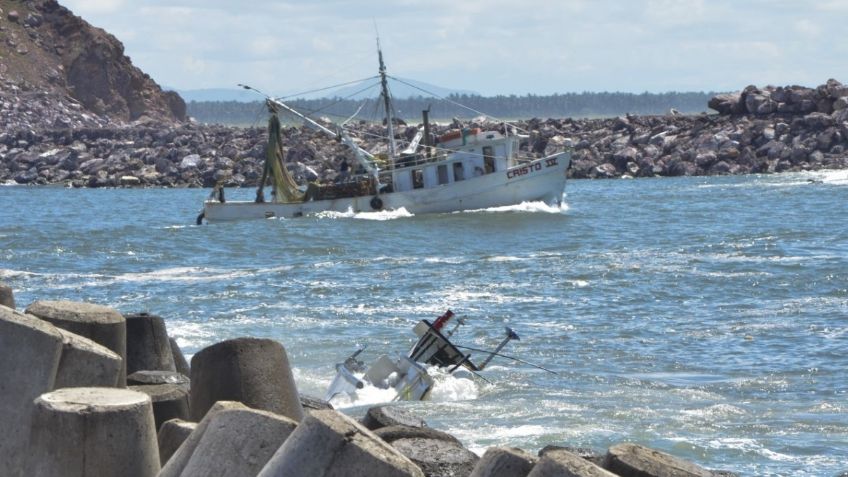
74 411
757 130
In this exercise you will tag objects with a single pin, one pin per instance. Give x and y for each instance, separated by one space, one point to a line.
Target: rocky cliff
80 72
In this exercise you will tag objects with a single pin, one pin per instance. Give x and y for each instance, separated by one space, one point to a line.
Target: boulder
253 371
634 460
98 323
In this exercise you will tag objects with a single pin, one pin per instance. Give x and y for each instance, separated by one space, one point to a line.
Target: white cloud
493 46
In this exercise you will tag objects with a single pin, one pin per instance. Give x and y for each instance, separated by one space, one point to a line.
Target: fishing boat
407 374
463 169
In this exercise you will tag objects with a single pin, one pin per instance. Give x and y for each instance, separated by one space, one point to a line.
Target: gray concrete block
148 347
330 444
504 462
7 296
101 324
632 460
170 401
384 416
142 378
175 465
172 434
179 359
238 443
252 371
561 463
436 456
93 432
393 433
86 363
30 350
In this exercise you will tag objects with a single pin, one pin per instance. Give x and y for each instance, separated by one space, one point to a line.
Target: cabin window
458 172
443 174
489 159
417 179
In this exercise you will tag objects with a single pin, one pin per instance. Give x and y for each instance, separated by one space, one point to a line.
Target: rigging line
454 102
321 109
326 88
508 357
339 100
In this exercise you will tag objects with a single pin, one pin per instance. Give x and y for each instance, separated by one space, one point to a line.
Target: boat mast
384 84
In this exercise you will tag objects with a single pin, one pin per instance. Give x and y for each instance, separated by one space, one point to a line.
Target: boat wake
526 207
378 216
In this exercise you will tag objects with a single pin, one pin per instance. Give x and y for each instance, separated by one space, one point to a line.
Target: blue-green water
707 317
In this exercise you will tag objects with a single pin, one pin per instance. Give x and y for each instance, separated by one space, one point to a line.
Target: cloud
493 46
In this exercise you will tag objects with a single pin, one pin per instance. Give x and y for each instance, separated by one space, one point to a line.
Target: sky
488 46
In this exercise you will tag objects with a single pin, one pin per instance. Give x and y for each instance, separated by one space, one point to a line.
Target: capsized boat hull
539 180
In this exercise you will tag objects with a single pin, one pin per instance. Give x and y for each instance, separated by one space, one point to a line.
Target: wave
531 207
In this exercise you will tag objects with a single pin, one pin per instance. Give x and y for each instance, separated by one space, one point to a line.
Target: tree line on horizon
463 106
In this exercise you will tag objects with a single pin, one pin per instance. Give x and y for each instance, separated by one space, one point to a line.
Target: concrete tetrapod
504 462
7 296
172 434
79 432
148 347
86 363
252 371
561 463
179 359
101 324
330 444
175 465
170 401
629 460
30 350
238 443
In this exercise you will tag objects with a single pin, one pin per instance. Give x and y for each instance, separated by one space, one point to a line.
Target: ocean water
706 317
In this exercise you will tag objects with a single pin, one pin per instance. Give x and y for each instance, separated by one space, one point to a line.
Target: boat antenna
495 353
384 85
510 335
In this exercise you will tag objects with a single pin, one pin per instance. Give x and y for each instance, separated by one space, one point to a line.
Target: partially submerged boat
407 374
463 169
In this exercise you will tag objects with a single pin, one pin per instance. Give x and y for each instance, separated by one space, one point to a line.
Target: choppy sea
706 317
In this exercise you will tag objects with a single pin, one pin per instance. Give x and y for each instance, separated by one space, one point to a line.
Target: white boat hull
539 180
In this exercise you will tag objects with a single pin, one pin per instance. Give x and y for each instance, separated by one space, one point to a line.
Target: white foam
532 207
377 215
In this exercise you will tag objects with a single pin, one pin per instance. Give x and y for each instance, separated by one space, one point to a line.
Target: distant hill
359 91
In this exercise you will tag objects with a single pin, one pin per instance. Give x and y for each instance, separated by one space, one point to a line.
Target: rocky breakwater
63 401
756 131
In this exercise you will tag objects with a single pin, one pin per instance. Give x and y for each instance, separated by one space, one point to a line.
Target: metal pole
510 335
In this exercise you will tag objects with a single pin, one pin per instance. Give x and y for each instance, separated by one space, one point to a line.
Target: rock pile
98 153
67 412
